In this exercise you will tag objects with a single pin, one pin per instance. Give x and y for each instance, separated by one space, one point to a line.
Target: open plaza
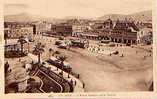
95 68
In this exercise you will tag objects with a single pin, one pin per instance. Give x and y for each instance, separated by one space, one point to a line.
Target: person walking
71 81
122 55
83 85
78 76
75 82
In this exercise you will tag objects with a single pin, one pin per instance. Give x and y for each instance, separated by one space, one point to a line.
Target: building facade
42 27
64 30
120 31
79 29
145 35
15 30
124 31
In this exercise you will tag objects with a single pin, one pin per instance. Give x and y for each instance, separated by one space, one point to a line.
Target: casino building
124 32
119 31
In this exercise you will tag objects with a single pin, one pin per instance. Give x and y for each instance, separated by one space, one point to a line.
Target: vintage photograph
77 46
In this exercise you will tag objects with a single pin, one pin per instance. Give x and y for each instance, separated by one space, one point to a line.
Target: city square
74 54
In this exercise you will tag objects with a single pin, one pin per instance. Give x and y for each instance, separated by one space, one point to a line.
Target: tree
39 49
22 41
50 52
62 58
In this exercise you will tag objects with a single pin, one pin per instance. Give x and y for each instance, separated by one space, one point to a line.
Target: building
59 30
144 24
64 30
79 29
15 30
124 31
98 31
42 27
145 36
120 31
51 32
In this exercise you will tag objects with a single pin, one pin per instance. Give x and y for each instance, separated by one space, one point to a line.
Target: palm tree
62 58
39 49
22 41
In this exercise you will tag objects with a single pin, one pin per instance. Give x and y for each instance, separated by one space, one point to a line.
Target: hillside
140 16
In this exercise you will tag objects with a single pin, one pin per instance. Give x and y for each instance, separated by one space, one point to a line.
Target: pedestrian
71 81
98 48
68 75
7 67
83 85
144 57
75 82
19 60
78 76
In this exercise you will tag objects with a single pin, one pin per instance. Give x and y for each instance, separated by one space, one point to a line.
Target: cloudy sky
83 8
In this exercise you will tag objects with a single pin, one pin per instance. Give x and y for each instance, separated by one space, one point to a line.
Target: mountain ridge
25 17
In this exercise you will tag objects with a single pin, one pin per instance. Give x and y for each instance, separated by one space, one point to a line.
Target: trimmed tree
22 41
39 49
62 58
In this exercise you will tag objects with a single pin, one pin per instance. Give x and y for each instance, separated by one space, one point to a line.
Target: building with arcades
124 31
120 31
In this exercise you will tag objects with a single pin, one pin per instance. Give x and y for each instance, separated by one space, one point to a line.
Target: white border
106 95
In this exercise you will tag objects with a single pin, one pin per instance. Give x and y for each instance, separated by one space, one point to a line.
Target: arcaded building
124 32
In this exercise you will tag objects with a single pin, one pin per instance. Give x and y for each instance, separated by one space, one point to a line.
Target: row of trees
39 49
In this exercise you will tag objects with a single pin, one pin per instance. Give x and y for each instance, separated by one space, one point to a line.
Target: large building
120 31
124 31
15 30
64 29
97 31
145 35
79 29
42 27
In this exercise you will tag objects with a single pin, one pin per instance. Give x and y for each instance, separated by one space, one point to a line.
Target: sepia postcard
61 49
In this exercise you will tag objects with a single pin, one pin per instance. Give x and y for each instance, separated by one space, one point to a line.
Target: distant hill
24 17
112 16
140 16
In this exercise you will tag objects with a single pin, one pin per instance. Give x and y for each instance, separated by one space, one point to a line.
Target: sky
82 8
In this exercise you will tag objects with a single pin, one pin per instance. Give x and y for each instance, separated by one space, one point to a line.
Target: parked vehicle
116 52
112 45
128 44
63 45
31 40
56 62
105 41
61 38
80 43
58 42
